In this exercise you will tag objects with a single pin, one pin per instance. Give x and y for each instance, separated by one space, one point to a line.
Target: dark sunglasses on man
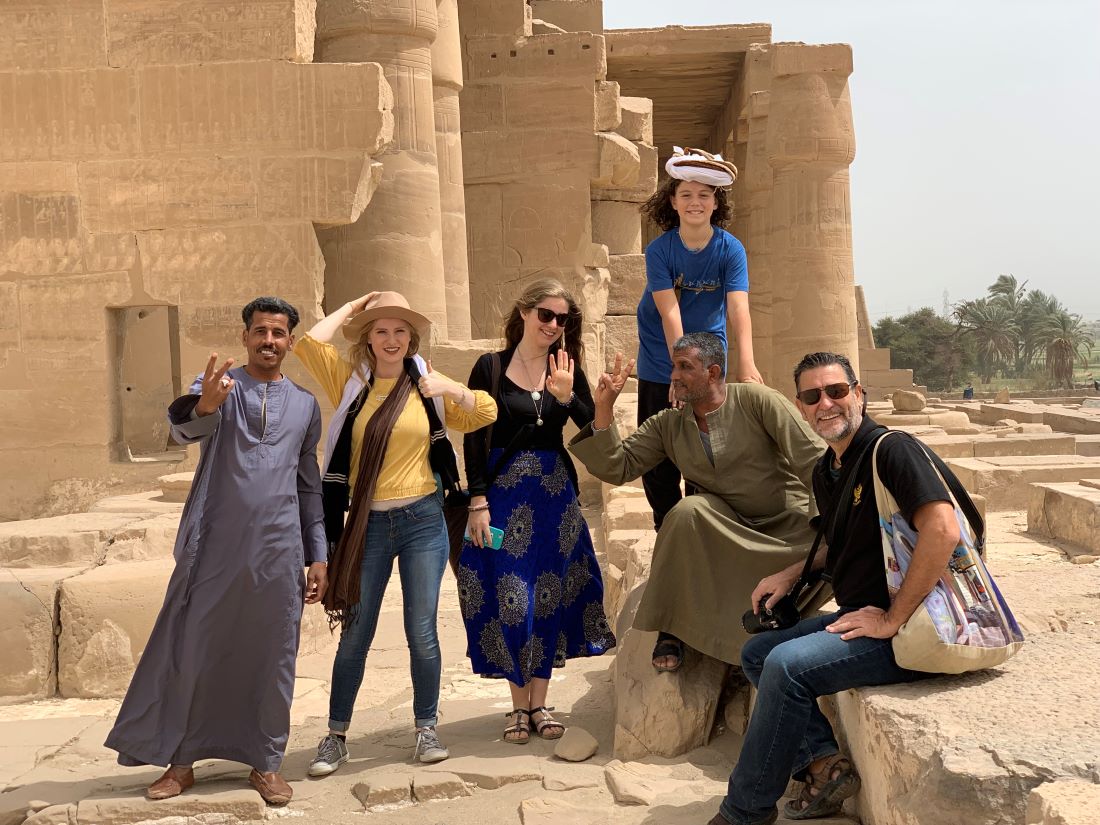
834 391
547 315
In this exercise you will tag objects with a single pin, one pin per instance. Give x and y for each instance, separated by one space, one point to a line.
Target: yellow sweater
405 468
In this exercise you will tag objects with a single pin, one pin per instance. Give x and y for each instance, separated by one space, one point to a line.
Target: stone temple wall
160 165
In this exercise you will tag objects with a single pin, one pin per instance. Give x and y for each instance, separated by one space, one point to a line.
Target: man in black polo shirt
788 736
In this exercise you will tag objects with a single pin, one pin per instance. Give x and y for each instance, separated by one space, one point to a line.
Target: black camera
783 615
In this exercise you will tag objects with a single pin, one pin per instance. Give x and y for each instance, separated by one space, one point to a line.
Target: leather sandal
547 727
172 782
519 732
272 787
668 645
823 793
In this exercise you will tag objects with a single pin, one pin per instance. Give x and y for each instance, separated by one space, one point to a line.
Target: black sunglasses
834 391
547 315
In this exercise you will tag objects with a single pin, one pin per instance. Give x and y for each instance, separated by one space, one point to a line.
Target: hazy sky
977 137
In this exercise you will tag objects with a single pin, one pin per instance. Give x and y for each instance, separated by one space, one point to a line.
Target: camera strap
841 507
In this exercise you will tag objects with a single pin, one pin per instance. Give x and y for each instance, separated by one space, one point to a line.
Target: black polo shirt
854 563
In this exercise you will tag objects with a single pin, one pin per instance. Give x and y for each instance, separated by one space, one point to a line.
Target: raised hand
360 303
559 376
611 383
216 386
433 385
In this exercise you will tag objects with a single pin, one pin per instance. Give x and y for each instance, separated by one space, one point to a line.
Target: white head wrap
700 166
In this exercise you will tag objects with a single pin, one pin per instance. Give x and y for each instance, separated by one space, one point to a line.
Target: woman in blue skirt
536 599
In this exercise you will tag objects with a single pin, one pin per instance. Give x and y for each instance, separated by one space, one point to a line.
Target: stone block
1087 444
107 615
1073 421
554 810
1003 396
176 486
629 513
645 784
618 544
1027 413
576 745
618 225
561 776
801 58
637 123
643 188
76 540
660 714
906 401
153 194
571 15
1066 511
427 787
272 108
619 163
53 815
553 57
1005 480
224 806
628 281
1063 802
51 34
385 787
608 115
490 773
620 335
532 105
877 359
28 606
200 31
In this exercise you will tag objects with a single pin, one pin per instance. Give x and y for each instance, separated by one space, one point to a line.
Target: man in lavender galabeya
788 736
217 675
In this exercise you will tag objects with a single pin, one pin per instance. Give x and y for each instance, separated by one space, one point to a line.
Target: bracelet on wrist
477 508
567 402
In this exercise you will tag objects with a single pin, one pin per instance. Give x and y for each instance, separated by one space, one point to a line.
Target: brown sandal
823 793
556 728
520 727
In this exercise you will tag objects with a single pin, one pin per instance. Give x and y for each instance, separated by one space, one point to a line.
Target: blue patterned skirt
538 600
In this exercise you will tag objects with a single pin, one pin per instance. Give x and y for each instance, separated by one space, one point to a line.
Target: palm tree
1066 342
994 330
1011 294
1036 310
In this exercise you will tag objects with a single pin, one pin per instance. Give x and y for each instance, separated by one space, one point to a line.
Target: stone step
1080 421
84 539
982 446
1005 480
1068 512
1088 444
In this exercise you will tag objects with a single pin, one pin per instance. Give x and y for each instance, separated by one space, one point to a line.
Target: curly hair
529 299
659 206
361 350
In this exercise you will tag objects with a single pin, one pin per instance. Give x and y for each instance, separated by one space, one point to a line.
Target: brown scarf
341 599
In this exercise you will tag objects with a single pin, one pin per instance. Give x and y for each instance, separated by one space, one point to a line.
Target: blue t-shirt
701 280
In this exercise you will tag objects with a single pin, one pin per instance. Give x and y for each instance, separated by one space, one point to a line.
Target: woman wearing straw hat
386 442
696 281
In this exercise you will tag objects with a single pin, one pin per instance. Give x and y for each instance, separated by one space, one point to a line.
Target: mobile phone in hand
496 537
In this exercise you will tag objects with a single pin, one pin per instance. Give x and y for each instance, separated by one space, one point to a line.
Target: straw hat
385 305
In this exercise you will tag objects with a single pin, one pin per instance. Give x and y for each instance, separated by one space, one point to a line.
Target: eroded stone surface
576 745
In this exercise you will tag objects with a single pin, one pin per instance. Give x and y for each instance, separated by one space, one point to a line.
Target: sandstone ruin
164 161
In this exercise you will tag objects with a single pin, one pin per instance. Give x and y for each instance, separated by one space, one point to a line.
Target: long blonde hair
361 350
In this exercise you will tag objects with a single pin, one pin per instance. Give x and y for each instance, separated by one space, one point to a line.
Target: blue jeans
417 536
787 730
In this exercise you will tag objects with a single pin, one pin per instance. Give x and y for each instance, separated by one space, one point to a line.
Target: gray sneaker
331 754
428 746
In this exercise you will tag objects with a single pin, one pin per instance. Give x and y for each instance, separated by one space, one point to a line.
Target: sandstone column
398 243
810 144
447 83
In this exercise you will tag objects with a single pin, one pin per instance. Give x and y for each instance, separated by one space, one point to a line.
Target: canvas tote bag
963 624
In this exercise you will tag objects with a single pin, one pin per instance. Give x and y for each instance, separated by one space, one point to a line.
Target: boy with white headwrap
696 281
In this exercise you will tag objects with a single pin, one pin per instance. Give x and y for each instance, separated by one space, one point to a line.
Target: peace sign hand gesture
559 377
611 383
215 386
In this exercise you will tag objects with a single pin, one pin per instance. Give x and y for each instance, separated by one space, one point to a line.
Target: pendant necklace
536 396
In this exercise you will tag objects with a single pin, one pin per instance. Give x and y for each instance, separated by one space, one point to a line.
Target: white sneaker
332 752
428 746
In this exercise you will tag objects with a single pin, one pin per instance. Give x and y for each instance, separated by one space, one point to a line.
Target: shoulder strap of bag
960 496
839 516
